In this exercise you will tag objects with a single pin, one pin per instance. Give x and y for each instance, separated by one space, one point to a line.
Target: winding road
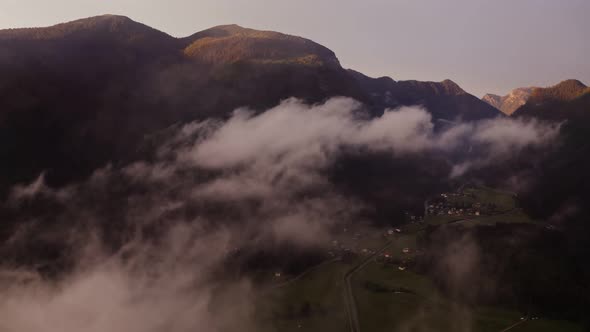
349 296
514 325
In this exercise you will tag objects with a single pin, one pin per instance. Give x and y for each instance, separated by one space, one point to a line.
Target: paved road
303 274
514 325
348 295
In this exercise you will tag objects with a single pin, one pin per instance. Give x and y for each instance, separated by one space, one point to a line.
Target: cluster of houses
413 218
339 249
392 231
444 206
401 261
346 248
351 245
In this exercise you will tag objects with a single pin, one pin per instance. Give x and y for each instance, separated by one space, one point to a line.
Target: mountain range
84 81
110 127
79 95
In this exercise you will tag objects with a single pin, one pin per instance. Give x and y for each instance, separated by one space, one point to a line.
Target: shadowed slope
81 94
445 100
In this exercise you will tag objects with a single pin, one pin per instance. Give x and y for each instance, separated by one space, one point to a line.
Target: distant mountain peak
227 30
105 17
122 26
568 98
112 16
442 88
492 99
573 85
452 88
563 91
509 103
233 43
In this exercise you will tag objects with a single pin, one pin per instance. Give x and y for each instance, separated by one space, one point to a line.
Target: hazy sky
484 45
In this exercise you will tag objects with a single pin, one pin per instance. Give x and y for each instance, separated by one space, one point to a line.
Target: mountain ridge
444 100
84 80
550 102
108 22
233 43
564 91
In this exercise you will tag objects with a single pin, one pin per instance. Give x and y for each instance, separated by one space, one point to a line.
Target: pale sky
483 45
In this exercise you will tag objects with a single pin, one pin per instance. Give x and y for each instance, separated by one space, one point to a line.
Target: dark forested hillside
95 87
561 175
445 100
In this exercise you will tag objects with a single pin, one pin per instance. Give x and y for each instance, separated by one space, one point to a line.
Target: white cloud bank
297 135
262 172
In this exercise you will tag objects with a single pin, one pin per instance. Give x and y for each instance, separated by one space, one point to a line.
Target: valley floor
378 290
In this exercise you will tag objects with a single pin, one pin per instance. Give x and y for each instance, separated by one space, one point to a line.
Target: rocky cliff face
509 103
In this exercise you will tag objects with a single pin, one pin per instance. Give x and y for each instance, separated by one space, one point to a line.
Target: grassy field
444 219
486 319
401 241
505 212
512 217
392 300
502 200
545 325
312 303
389 298
362 237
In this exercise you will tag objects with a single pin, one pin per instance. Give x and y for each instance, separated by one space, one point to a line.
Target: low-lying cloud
297 135
147 241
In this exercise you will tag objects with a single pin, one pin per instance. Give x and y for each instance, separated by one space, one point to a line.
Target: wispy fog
147 245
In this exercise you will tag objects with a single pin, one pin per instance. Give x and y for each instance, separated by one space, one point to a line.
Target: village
363 242
350 242
351 245
386 264
458 203
360 242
